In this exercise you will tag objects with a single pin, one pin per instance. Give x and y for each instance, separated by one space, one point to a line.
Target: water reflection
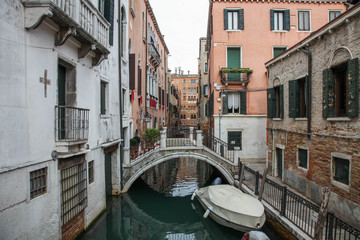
158 206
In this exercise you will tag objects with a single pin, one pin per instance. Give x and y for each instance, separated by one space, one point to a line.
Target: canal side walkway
272 212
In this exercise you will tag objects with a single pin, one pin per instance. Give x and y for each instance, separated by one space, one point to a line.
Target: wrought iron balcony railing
154 55
236 76
71 124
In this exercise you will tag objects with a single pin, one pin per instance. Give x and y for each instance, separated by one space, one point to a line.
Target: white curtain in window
235 20
236 101
230 101
230 21
301 20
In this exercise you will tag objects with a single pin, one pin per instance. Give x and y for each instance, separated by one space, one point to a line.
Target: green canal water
158 206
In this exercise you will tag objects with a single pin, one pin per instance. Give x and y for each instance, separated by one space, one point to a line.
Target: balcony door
61 101
234 61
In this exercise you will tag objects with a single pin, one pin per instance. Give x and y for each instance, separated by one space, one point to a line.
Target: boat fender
206 214
193 195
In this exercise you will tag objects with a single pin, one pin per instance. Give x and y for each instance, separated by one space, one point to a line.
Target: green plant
133 142
235 70
137 138
152 134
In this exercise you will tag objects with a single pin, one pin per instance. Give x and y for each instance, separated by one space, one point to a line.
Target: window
234 139
304 20
334 14
123 32
193 81
278 50
143 26
234 103
106 7
206 90
184 81
341 170
38 182
279 20
340 90
206 68
233 61
234 19
302 158
298 94
103 97
275 102
91 171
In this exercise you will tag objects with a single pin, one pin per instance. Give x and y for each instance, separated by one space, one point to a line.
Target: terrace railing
300 211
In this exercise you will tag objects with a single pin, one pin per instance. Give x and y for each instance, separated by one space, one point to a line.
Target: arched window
123 32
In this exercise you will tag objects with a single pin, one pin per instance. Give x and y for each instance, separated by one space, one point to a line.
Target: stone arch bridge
181 143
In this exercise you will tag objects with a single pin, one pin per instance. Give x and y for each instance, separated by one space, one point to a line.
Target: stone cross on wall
46 82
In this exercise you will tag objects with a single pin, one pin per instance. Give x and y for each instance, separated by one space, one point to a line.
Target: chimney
188 72
182 72
175 70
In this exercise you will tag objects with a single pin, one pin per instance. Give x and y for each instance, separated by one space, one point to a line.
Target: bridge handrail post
191 133
236 156
199 142
163 138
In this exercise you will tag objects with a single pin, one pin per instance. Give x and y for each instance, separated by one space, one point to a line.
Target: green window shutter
132 71
109 16
328 93
225 19
225 102
272 26
243 103
294 108
281 101
287 20
241 19
353 88
271 102
102 98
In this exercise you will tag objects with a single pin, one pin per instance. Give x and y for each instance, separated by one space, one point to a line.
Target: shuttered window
139 81
279 20
275 102
234 103
234 19
107 9
132 71
340 90
298 102
234 140
103 97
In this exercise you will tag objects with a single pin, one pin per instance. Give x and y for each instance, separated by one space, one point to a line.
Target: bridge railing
144 146
218 146
179 137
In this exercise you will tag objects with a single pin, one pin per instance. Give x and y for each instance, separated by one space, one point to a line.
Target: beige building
204 85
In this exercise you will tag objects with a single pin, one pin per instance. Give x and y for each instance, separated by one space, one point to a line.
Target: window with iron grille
234 140
91 171
74 191
38 182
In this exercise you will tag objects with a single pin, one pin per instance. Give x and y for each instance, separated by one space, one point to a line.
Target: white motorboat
230 207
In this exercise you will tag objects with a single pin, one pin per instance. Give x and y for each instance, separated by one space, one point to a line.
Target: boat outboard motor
217 181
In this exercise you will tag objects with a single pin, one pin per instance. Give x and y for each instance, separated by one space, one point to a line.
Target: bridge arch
227 174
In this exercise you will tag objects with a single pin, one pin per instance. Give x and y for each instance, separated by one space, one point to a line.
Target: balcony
71 124
76 18
236 76
154 55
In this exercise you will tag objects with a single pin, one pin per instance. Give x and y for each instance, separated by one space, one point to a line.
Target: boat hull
238 221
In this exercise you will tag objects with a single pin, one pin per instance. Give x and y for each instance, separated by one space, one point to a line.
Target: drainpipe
308 110
146 57
120 101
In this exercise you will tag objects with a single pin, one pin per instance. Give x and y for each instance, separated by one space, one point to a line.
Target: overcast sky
182 22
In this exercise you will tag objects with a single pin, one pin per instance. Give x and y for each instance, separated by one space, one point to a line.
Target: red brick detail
74 227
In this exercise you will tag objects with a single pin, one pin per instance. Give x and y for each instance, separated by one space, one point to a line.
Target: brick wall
74 227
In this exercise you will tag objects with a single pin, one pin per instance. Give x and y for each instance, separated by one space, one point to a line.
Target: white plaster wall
253 134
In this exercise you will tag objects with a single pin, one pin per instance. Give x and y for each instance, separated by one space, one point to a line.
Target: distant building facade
313 110
241 37
188 86
204 85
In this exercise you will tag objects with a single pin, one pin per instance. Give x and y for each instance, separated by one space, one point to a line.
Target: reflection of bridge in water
181 143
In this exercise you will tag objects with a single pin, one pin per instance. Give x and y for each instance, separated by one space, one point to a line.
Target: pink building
242 36
148 55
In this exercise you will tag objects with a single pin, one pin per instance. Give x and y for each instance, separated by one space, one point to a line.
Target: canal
159 206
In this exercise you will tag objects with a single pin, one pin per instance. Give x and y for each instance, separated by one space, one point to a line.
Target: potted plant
134 149
151 135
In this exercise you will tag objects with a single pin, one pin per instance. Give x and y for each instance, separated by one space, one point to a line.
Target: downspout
146 57
120 101
308 109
